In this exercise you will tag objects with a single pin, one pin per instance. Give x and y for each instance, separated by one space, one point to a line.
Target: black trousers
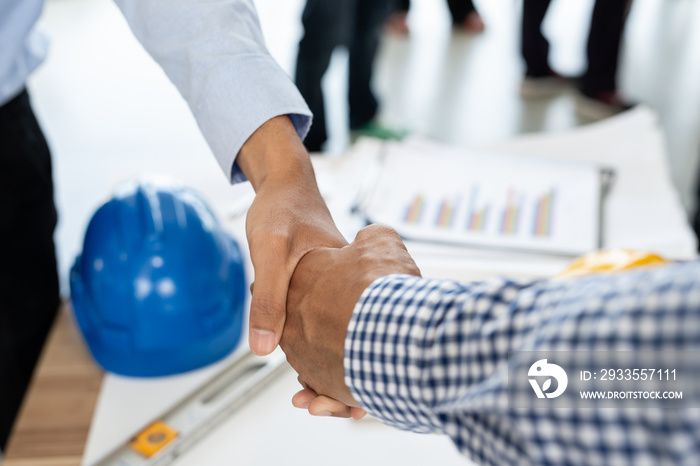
603 49
459 9
356 24
29 294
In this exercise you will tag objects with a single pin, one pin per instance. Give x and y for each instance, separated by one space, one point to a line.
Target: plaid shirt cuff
405 353
380 365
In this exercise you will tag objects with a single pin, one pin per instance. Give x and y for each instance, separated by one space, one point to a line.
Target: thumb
378 234
267 308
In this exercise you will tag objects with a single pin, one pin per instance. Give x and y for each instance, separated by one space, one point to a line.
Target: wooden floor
53 429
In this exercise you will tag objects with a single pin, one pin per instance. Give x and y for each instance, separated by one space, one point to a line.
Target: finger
326 406
303 398
385 245
303 384
268 303
357 413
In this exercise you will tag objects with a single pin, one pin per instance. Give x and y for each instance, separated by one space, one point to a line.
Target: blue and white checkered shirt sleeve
418 351
431 355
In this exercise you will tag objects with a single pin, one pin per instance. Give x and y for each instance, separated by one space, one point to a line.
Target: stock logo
542 369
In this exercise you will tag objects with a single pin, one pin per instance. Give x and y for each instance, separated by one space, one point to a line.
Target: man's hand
287 219
325 287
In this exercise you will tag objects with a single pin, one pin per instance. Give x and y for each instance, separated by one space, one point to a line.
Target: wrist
275 155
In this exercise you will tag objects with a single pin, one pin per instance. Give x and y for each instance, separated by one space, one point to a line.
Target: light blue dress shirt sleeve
22 46
214 53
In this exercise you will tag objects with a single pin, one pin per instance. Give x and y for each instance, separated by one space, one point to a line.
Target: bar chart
502 214
496 200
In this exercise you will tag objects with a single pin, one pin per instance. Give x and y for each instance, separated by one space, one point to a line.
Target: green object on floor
375 130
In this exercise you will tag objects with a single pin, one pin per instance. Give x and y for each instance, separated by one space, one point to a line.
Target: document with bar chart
440 193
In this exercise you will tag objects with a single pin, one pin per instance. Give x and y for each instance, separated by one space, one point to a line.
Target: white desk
642 211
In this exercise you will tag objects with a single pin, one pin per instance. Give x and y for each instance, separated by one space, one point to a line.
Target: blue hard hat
159 287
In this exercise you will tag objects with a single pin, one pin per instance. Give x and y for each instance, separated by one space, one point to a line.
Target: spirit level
167 437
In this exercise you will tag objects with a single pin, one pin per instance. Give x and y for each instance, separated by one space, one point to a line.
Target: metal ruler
166 438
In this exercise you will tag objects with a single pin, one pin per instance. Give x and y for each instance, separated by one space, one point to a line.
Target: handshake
307 278
325 286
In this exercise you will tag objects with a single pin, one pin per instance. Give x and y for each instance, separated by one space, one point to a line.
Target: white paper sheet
433 192
643 209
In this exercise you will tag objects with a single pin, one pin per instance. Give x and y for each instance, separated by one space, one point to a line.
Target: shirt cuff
301 122
382 362
239 96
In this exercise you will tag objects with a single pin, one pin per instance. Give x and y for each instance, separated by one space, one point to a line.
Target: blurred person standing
356 24
463 12
599 96
29 295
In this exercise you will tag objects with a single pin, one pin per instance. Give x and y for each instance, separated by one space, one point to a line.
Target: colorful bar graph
511 213
445 214
414 210
478 219
442 213
542 225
